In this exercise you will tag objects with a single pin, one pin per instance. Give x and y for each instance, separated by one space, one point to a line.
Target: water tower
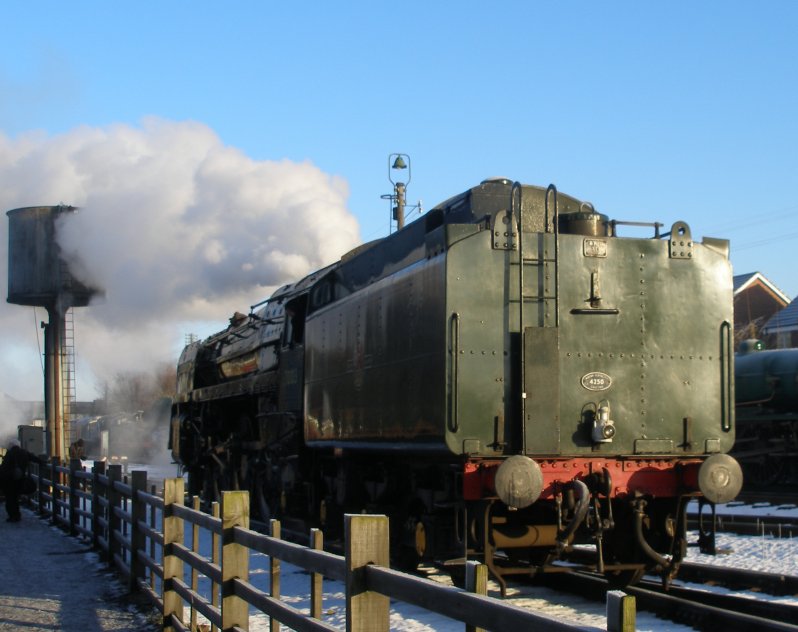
39 276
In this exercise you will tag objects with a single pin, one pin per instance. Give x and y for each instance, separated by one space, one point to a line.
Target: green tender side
425 345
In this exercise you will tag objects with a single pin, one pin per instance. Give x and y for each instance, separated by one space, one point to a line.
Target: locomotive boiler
506 378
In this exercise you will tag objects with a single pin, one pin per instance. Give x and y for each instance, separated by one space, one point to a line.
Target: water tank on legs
37 273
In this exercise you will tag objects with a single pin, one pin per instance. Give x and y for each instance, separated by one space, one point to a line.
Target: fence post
621 611
40 488
96 510
138 513
476 581
235 560
153 525
172 565
74 466
215 555
114 522
54 489
195 505
317 543
274 575
366 543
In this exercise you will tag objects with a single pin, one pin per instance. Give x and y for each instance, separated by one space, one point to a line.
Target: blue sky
658 111
652 111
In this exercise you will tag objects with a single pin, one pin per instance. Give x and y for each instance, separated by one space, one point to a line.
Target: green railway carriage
505 377
766 389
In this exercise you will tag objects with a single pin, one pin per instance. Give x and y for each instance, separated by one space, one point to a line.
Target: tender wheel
413 547
458 576
331 519
261 497
210 486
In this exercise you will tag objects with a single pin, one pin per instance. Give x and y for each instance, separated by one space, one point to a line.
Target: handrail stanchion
114 522
40 469
476 582
215 559
153 525
274 575
74 466
235 559
366 543
173 491
138 513
97 470
195 505
316 592
54 493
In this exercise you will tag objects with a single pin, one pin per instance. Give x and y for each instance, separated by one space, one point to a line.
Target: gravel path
49 581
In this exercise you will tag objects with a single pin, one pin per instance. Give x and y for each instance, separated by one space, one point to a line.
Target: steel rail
699 608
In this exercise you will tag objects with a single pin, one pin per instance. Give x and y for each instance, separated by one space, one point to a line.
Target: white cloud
174 225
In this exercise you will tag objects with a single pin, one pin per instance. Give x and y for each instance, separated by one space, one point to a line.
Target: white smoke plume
173 225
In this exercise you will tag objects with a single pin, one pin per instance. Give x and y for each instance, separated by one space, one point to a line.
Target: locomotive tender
505 377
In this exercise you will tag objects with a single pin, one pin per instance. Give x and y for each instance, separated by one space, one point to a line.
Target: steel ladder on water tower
68 374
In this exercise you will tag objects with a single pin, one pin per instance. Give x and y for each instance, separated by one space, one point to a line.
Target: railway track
712 611
752 525
750 519
774 496
696 607
776 584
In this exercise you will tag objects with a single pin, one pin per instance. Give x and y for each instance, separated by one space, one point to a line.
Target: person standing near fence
76 450
13 472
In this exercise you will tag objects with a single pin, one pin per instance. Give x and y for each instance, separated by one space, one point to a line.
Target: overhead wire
773 217
788 212
765 242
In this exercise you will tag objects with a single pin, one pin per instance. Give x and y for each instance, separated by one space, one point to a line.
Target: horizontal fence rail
145 538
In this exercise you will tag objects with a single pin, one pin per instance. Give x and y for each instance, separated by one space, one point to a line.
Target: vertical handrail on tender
556 227
727 376
454 353
517 188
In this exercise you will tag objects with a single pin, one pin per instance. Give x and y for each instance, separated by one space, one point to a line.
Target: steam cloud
173 224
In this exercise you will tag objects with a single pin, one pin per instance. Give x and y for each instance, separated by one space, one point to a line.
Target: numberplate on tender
594 247
596 381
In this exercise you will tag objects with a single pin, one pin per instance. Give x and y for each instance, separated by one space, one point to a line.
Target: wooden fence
142 536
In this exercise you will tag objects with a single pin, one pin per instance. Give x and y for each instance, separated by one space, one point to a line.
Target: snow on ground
756 553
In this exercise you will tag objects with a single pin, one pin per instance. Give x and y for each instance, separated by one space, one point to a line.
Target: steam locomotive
767 414
505 377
